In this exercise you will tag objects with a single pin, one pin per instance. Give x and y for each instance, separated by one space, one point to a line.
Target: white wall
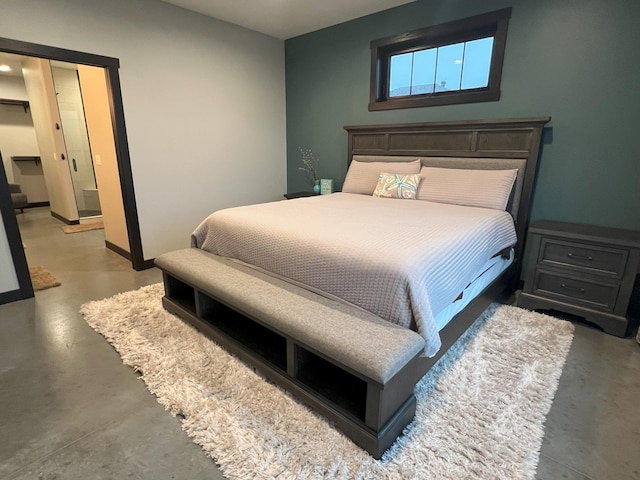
53 154
12 87
8 277
93 83
18 138
204 104
14 90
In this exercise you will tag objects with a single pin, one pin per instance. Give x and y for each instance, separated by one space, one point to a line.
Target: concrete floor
69 409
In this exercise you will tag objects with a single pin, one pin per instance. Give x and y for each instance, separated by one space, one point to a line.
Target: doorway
111 68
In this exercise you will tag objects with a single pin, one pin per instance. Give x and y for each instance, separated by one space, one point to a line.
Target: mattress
487 274
403 260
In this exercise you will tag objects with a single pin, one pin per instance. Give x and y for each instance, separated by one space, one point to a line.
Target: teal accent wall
577 61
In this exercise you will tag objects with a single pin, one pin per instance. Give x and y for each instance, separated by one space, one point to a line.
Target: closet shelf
8 101
26 159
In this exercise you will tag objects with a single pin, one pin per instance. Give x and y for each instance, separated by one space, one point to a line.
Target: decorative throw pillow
362 177
473 188
395 185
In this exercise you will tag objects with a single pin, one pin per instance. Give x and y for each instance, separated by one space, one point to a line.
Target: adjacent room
239 298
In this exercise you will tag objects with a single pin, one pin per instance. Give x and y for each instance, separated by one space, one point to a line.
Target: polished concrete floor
69 409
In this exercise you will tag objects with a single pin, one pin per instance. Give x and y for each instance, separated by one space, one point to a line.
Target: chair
18 198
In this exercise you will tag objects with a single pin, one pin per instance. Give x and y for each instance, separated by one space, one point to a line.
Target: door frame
111 66
25 288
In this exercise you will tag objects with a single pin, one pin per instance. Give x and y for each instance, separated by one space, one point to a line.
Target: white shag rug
480 410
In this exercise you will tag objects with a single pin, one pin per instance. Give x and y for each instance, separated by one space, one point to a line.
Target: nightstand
583 270
290 196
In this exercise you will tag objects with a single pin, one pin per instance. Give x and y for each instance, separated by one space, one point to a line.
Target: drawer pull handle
571 287
580 257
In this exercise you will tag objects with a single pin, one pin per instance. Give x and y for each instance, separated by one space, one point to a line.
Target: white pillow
362 177
393 185
473 188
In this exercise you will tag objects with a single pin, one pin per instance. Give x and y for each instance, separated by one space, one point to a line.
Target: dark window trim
492 23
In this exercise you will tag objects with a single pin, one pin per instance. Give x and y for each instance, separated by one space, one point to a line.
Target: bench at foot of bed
353 367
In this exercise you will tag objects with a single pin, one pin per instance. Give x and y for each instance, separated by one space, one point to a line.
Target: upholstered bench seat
349 364
18 198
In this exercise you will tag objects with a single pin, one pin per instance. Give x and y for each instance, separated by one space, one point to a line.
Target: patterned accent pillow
396 185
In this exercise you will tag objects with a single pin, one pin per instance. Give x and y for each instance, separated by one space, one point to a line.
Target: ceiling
286 18
278 18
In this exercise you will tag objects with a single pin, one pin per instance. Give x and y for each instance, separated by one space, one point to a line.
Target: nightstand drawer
571 290
588 258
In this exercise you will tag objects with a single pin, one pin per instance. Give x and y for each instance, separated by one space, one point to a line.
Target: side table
583 270
293 195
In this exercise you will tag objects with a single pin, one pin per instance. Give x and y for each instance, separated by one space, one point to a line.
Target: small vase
316 187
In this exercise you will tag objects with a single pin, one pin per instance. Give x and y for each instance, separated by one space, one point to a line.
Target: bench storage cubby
353 367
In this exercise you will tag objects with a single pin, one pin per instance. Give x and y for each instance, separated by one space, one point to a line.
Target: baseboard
120 251
38 204
147 264
62 219
12 296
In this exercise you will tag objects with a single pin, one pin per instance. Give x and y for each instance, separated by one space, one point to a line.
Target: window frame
493 24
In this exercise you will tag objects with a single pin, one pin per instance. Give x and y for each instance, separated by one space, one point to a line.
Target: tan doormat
83 227
41 278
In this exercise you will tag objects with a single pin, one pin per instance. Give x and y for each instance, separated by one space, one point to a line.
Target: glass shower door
69 96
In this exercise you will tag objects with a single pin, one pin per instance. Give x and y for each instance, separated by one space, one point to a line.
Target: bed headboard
473 144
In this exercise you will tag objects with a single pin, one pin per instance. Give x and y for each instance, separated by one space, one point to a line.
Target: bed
369 253
345 246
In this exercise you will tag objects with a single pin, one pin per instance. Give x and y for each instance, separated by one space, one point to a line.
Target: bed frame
484 143
199 289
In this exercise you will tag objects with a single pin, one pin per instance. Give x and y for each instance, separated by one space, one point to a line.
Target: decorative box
326 186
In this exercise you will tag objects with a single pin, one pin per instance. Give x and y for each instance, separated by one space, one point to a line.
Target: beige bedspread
403 260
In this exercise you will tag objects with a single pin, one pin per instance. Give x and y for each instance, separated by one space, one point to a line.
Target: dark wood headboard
515 138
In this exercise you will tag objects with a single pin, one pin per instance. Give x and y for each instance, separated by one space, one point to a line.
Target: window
456 62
